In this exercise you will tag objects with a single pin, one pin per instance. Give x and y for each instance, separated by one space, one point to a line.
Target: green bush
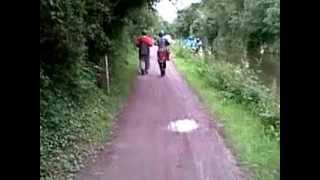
75 114
182 52
243 86
72 127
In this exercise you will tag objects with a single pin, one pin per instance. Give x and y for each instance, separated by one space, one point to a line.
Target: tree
238 26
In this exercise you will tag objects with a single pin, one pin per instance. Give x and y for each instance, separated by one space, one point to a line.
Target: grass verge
243 131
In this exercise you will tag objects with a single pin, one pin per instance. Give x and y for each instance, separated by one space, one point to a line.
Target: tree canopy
244 24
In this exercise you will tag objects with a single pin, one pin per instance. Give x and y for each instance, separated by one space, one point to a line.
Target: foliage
233 29
185 19
75 115
236 31
242 130
72 128
182 52
242 85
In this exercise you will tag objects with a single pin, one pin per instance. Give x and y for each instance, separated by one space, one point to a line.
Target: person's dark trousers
162 65
147 63
144 64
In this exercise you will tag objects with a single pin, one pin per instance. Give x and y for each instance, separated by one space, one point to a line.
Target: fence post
107 73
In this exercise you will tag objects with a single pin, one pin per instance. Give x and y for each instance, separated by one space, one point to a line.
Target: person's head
161 34
144 32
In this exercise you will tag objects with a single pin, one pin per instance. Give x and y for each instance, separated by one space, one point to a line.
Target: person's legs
141 66
159 65
147 63
162 67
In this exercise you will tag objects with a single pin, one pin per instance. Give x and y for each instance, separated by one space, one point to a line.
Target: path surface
144 148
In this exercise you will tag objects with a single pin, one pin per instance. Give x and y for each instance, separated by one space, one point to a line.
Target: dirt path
145 149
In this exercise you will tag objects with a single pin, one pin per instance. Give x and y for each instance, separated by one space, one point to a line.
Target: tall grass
241 85
235 102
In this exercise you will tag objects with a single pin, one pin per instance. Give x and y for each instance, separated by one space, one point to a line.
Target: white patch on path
183 125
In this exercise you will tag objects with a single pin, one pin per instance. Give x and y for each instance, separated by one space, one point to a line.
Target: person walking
143 43
163 53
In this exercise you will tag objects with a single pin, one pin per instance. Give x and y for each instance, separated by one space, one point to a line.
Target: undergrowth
248 133
240 84
75 123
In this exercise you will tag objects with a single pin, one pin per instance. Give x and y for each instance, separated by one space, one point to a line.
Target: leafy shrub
74 113
243 86
182 52
66 123
74 125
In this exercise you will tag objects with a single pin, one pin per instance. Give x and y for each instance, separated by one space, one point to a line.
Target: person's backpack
144 42
163 43
163 52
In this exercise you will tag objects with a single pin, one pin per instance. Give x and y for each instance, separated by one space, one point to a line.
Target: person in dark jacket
144 55
163 53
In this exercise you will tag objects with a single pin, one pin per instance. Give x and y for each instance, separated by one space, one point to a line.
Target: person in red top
143 43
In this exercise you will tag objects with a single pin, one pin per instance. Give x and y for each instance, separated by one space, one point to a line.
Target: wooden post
107 73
